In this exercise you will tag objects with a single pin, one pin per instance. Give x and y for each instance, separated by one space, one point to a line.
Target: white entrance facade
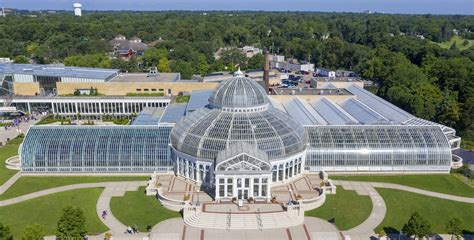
242 172
243 187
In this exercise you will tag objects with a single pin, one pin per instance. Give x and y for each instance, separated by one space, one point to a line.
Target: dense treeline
416 74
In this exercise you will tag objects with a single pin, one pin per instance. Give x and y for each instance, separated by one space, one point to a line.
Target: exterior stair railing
259 220
229 216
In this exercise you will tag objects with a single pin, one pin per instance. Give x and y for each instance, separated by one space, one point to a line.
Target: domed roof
238 92
206 132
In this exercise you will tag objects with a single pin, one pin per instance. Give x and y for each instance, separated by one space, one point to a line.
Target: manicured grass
401 204
447 183
135 208
46 211
51 119
468 145
182 99
347 208
459 43
9 150
26 185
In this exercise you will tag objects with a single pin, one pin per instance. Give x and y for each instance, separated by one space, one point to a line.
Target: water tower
77 9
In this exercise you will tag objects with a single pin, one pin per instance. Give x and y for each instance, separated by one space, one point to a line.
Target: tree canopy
72 224
411 71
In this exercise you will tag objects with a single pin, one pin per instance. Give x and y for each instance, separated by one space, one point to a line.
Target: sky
465 7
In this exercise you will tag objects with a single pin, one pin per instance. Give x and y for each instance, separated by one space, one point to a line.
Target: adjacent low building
126 48
279 62
52 88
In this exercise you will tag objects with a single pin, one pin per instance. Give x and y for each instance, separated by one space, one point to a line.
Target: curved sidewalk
409 189
9 183
65 188
365 230
116 189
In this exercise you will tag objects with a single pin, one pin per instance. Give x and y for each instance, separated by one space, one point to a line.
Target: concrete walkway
365 230
65 188
408 189
9 183
115 189
15 131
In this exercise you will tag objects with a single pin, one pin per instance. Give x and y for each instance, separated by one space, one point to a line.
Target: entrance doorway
243 188
243 194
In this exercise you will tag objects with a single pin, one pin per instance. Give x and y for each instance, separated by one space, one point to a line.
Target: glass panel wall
96 149
393 146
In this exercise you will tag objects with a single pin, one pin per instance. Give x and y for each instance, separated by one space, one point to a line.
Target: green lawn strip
30 184
445 183
459 43
347 208
9 150
46 211
401 204
135 208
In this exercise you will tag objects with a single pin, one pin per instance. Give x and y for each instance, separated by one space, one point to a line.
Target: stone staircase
257 221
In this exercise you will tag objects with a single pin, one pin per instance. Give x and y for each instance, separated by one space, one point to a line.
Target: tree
183 67
33 232
454 46
91 60
454 227
5 233
152 56
255 62
417 226
202 68
21 59
72 224
164 65
233 57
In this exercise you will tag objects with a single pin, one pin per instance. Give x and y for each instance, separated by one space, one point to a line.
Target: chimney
266 71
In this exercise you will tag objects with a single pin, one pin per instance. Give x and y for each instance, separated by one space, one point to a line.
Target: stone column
177 166
198 172
217 187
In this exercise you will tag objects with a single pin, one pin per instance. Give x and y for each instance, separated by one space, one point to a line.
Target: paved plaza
313 228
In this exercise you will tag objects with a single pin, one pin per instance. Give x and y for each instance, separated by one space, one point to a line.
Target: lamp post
197 203
289 197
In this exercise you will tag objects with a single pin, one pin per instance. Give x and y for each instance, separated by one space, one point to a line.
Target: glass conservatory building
238 141
96 149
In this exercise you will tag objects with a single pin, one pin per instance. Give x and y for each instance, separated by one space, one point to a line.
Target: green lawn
46 211
401 204
347 208
446 183
9 150
459 43
135 208
26 185
50 119
468 145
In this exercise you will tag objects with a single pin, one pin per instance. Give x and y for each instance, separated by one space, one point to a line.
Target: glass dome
207 131
238 92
